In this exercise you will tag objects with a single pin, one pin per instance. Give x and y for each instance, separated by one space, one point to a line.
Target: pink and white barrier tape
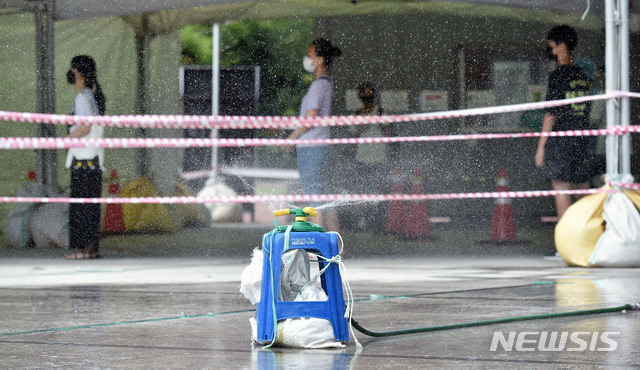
62 143
624 185
280 122
300 198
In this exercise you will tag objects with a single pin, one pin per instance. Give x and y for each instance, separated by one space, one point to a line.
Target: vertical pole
41 86
47 171
215 97
611 71
142 41
625 149
51 156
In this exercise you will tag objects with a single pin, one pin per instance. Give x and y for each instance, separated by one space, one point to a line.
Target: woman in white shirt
85 163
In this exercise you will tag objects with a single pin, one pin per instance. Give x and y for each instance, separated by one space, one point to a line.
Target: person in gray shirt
313 159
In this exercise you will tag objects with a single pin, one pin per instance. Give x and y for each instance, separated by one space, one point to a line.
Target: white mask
307 64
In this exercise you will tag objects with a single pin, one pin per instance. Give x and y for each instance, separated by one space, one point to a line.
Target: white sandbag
619 245
221 212
49 225
303 332
15 228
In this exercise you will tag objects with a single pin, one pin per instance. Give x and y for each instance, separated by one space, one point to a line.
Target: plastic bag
221 212
251 277
619 245
303 332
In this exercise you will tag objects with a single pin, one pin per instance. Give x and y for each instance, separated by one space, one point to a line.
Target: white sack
221 212
15 229
619 245
49 225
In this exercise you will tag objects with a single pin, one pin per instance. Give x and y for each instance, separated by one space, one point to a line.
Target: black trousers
84 219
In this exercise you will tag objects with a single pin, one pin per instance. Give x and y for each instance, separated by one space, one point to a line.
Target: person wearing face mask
313 160
565 159
86 164
369 161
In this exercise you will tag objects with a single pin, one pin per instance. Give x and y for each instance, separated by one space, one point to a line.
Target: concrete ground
172 301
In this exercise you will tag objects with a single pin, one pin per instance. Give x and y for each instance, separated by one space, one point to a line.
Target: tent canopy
168 15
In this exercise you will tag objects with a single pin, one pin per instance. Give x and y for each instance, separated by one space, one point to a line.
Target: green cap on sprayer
301 223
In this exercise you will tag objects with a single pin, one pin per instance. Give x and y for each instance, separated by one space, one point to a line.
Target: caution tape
624 185
294 198
280 122
62 143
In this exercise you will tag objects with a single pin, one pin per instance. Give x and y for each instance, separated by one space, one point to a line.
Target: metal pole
625 150
611 71
142 41
51 156
215 96
47 171
40 85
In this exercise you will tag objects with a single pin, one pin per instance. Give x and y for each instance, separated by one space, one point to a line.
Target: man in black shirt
565 159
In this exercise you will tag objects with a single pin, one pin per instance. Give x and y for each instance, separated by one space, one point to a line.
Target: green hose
627 307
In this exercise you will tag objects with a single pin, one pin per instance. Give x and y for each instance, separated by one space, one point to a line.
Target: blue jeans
312 162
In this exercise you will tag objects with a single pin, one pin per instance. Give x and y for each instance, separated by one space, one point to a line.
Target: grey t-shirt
318 97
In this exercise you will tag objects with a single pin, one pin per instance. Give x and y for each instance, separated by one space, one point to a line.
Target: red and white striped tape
62 143
279 122
293 198
624 185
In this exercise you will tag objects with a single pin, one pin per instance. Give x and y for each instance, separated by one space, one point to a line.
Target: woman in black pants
85 163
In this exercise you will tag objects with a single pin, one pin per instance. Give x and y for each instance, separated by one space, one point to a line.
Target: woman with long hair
86 164
313 160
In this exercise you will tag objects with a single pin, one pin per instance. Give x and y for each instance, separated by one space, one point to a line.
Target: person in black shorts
565 159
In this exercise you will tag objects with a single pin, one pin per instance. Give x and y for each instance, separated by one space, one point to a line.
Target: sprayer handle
282 212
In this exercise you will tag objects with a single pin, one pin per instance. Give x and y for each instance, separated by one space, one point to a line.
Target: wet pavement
173 313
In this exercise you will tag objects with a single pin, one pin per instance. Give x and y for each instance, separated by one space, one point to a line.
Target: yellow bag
579 229
146 217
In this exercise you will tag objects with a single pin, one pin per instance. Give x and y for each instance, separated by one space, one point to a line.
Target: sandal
88 253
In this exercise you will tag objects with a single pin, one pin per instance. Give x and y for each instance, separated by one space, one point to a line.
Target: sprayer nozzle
310 211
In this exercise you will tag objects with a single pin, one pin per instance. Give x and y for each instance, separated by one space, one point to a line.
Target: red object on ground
502 225
418 219
397 210
31 176
114 215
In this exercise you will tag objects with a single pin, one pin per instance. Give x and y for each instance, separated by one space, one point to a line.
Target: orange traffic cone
114 216
418 219
503 228
397 209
